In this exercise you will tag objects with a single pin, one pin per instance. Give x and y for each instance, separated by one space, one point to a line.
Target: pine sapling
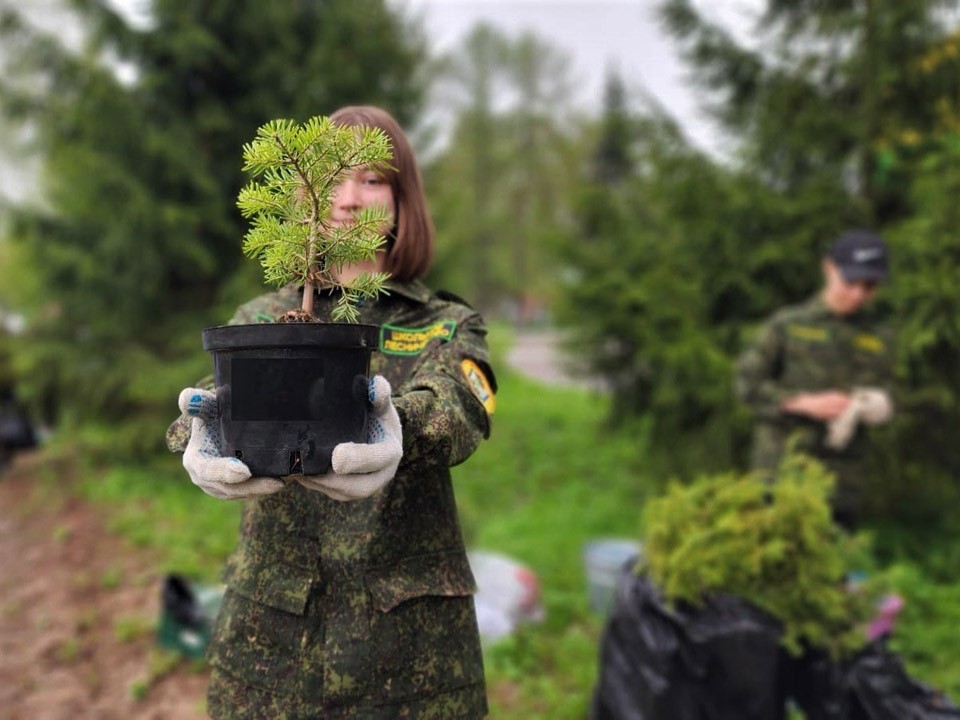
295 169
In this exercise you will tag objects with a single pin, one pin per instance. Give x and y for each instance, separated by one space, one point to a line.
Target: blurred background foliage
656 257
130 243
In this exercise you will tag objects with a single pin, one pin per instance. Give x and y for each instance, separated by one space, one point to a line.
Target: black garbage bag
16 429
814 682
718 661
881 689
723 661
873 685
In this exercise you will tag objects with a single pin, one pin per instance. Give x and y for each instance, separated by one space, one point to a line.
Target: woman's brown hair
410 249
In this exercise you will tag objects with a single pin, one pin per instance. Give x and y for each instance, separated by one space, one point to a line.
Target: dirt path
537 354
78 608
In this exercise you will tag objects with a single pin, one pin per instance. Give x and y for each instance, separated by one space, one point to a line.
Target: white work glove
871 406
361 469
876 407
226 478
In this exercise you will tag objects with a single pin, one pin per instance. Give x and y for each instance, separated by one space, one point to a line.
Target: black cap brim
860 273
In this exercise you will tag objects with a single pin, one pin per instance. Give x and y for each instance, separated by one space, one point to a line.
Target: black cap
860 255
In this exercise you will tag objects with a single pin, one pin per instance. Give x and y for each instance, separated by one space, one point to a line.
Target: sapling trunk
308 281
307 304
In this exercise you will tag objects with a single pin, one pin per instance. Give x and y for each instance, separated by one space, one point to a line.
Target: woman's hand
824 406
225 478
362 469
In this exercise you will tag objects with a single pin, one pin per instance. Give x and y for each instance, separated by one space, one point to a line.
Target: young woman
349 594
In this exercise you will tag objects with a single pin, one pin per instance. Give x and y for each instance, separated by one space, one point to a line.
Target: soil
78 612
296 316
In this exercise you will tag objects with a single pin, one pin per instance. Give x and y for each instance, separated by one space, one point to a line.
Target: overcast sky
597 35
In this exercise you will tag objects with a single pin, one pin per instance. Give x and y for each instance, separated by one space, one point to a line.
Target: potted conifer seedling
290 390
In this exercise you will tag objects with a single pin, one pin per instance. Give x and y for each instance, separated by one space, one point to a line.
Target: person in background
819 373
349 594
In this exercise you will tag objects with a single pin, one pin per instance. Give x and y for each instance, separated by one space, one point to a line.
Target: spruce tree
656 284
822 92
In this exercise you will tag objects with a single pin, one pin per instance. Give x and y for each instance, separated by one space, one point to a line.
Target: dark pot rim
268 335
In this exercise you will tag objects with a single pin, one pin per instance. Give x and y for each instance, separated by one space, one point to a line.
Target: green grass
546 483
157 507
549 480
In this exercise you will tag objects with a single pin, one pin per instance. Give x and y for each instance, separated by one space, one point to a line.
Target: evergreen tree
653 287
919 457
823 90
134 242
611 161
513 161
831 106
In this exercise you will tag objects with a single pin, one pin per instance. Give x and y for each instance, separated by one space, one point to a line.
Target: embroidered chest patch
869 343
808 333
412 341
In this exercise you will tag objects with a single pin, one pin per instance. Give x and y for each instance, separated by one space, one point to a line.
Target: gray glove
226 478
871 406
362 469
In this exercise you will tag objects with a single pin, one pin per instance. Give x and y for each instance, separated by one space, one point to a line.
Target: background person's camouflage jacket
365 609
808 348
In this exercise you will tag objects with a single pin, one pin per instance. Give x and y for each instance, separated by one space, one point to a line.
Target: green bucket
187 612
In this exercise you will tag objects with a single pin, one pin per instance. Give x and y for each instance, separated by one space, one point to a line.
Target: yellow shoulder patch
479 384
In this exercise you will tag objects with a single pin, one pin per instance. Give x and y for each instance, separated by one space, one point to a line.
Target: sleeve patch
479 384
413 341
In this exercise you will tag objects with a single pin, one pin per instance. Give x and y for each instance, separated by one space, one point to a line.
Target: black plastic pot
290 392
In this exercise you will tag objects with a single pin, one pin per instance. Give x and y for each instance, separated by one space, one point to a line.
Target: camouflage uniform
808 348
365 609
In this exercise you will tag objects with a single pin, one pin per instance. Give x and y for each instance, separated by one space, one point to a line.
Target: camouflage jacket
364 609
808 348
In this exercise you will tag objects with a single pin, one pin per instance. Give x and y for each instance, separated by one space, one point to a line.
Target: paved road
536 354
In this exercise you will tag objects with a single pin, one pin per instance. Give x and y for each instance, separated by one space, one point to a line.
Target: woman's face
362 189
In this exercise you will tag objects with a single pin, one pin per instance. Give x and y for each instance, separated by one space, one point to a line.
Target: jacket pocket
259 632
279 578
445 574
426 627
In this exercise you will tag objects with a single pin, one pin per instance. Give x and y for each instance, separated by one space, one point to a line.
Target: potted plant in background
291 390
773 544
